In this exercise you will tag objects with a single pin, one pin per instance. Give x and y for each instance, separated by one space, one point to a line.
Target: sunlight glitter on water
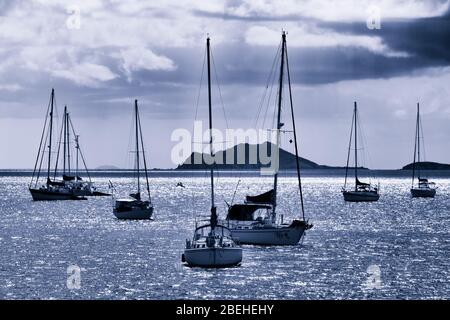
407 238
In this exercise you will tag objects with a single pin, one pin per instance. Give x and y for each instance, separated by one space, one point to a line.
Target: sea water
396 248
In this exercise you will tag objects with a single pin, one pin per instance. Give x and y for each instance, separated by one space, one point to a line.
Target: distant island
107 167
287 159
427 165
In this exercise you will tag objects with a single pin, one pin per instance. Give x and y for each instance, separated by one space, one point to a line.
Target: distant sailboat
255 221
134 207
362 192
424 188
70 187
212 245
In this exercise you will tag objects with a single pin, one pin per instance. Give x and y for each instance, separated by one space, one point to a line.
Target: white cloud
86 74
139 58
10 87
299 36
340 11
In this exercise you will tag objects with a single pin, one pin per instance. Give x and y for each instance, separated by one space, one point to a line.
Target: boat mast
213 206
144 160
356 149
65 138
415 146
418 142
297 162
348 150
137 147
50 139
68 141
279 125
76 161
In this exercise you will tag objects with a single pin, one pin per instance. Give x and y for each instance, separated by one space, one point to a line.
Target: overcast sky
153 51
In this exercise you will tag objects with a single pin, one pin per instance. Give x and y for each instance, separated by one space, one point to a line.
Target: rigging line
40 163
295 135
143 156
418 143
349 148
198 97
130 161
79 149
270 92
422 140
265 102
59 147
68 142
40 145
272 71
367 161
274 116
415 146
222 106
235 190
200 86
280 97
220 91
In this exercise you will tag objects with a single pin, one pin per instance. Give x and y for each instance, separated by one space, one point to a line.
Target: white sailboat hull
361 196
423 192
213 257
278 236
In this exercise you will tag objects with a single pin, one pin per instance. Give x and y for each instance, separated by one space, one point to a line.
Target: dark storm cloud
425 40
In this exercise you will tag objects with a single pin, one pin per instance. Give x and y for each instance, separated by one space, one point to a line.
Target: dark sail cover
422 180
136 195
243 212
266 197
359 183
68 178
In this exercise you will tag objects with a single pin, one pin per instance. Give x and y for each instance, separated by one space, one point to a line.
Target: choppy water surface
407 239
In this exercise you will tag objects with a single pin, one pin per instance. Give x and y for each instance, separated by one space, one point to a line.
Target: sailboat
424 188
212 245
69 187
255 220
362 192
134 207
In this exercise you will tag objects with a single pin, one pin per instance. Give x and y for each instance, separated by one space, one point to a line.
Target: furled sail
68 178
244 212
136 196
54 183
266 197
362 184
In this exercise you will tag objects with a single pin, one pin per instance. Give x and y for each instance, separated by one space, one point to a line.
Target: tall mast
137 147
415 145
144 160
418 141
50 139
213 206
349 149
356 149
297 162
64 137
68 141
76 162
279 125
